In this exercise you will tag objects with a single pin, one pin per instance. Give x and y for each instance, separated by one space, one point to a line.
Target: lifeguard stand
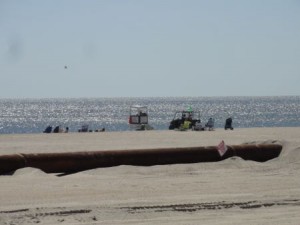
138 117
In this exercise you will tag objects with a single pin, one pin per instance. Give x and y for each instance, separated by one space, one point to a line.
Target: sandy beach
232 191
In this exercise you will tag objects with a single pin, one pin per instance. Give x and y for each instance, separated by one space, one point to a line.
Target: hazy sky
148 48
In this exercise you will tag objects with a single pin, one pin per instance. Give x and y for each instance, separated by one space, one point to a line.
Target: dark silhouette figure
56 129
48 130
228 124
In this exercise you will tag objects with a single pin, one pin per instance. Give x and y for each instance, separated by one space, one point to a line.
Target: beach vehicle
185 118
138 118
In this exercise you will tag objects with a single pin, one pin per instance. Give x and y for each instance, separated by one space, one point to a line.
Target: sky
149 48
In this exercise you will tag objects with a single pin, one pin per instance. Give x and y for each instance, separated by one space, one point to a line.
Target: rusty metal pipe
70 162
10 163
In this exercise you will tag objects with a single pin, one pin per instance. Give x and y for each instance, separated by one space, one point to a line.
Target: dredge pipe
71 162
10 163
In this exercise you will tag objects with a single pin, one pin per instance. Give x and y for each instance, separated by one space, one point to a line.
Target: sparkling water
34 115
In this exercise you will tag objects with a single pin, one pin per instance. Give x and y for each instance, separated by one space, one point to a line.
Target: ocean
34 115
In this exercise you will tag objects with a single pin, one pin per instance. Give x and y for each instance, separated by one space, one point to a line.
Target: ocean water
33 115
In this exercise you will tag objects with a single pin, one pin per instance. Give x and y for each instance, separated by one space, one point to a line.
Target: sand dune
232 191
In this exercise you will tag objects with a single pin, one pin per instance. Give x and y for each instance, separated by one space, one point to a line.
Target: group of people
85 128
211 123
185 125
208 126
57 129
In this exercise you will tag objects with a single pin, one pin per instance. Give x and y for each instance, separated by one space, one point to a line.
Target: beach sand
232 191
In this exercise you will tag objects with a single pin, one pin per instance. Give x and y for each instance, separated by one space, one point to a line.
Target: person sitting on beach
48 130
228 124
101 130
183 117
56 129
198 126
84 128
190 117
66 130
210 124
